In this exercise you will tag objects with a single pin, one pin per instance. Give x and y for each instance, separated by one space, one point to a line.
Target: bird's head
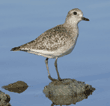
75 16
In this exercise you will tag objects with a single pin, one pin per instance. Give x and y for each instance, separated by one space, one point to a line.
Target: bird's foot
52 79
59 79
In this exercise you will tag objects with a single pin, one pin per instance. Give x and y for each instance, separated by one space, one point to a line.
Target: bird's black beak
85 19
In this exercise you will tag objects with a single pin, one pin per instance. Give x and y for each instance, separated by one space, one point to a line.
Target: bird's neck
71 21
72 27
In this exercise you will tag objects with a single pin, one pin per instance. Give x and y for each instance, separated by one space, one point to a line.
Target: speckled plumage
56 42
59 37
51 39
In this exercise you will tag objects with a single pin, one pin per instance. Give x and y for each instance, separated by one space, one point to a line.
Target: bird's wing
51 39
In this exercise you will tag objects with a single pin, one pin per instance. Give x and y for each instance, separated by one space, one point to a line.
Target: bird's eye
75 13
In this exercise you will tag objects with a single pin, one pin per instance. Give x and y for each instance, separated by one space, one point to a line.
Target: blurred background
24 20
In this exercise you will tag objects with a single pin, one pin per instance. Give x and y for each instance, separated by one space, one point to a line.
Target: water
24 20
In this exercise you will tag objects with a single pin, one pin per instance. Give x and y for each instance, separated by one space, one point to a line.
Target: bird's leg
57 69
46 62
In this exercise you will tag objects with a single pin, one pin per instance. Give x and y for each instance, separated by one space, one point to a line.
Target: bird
57 41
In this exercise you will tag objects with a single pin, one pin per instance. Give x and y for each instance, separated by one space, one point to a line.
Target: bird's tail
16 49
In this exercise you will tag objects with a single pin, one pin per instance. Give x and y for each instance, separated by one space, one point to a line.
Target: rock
67 91
4 99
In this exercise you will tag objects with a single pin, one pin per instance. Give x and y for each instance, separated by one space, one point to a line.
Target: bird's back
59 37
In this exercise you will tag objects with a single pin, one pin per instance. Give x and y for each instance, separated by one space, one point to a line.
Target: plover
56 42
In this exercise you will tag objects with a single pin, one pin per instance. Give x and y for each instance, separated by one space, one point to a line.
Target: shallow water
24 20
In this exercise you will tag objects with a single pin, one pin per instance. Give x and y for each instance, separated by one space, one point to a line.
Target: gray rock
67 91
4 99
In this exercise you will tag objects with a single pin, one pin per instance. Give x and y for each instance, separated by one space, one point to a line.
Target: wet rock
4 99
67 91
17 87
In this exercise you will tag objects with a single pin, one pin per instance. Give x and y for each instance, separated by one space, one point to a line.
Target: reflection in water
4 99
17 87
67 91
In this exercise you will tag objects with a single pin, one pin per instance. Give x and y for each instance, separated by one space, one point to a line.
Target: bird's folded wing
50 40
